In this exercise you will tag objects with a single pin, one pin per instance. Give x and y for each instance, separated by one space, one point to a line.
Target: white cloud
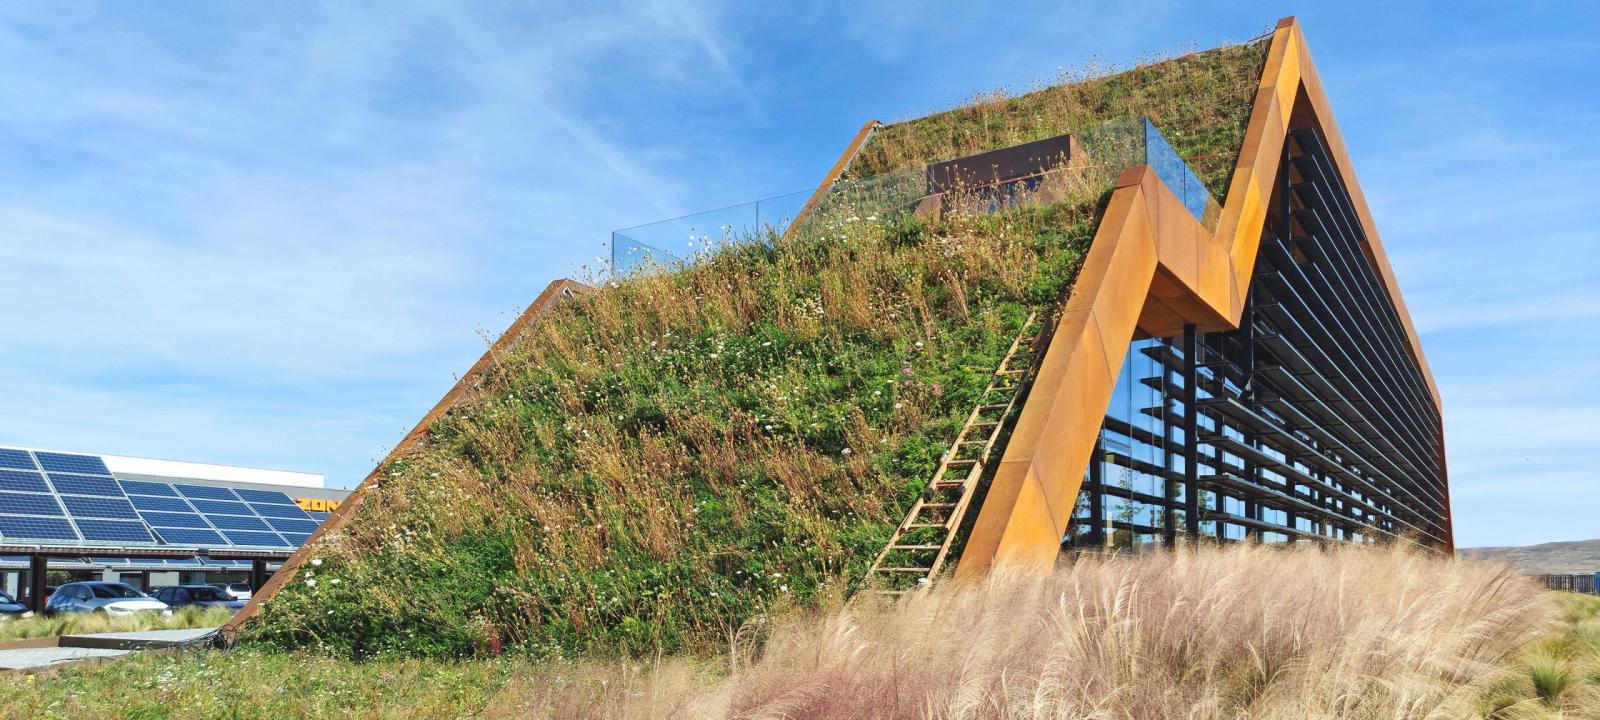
259 227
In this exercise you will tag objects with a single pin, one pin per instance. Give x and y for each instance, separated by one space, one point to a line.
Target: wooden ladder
921 544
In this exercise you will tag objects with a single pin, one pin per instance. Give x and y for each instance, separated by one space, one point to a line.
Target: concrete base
39 658
36 654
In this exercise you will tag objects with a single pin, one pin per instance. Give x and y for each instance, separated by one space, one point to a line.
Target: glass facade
1311 422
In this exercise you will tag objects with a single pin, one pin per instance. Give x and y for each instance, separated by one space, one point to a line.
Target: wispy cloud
251 229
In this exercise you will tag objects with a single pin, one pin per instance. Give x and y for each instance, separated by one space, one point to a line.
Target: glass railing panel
660 244
1107 148
774 214
1176 173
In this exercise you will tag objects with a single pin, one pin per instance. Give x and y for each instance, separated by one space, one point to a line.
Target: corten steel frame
1154 271
553 293
1315 421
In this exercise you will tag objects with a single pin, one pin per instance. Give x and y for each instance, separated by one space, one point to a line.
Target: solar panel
236 522
206 492
85 485
113 530
296 539
16 459
264 496
109 560
317 515
29 504
220 507
99 507
140 487
22 481
62 462
175 520
160 504
185 536
292 526
245 537
292 512
36 528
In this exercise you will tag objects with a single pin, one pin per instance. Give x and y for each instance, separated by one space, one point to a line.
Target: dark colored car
202 595
10 607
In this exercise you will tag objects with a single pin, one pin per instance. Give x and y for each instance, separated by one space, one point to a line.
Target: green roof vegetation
660 461
1201 103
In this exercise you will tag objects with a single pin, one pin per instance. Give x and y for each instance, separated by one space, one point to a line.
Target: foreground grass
1558 676
1246 632
243 684
78 623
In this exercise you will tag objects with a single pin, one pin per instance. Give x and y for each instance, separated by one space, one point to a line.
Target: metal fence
1586 583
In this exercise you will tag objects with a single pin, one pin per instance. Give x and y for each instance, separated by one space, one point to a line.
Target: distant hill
1554 558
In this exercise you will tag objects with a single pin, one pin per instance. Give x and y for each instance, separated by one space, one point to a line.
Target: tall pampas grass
1238 632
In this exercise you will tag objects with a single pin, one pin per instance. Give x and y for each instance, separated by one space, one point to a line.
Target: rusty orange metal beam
839 166
1151 268
553 293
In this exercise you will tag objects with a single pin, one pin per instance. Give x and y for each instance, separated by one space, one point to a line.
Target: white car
237 591
111 598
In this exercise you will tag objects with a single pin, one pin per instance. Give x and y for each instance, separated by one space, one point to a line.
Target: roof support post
258 575
37 566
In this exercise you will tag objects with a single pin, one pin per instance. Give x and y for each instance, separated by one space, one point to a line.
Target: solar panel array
61 498
11 562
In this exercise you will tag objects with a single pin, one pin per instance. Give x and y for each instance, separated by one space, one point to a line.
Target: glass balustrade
1106 150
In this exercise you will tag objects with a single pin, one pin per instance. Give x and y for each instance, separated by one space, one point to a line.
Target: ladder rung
1006 384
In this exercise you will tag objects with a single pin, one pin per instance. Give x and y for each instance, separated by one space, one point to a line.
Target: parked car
10 607
202 595
238 590
111 598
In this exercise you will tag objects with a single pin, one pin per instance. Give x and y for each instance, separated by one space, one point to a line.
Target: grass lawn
244 684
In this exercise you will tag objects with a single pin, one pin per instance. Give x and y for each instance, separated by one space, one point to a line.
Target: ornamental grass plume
1246 631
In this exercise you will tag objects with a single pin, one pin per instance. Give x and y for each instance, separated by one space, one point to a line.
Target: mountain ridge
1569 557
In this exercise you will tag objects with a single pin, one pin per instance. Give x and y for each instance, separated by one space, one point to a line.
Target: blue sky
272 234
